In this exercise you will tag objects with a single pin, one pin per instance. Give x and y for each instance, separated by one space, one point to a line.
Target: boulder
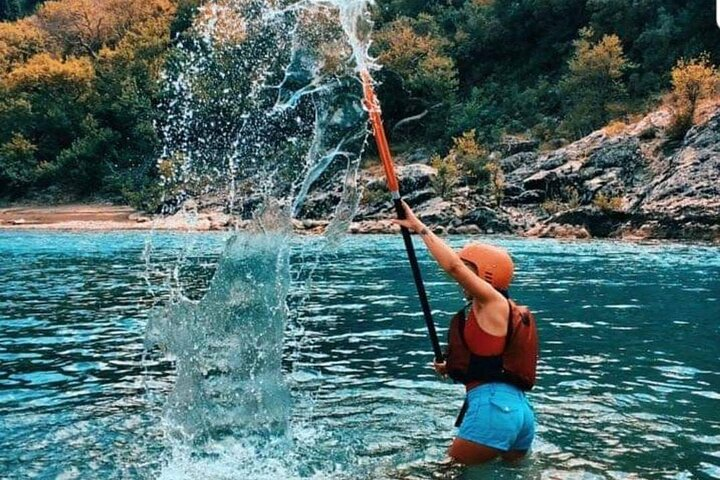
598 223
437 211
320 204
480 216
415 176
468 230
419 197
419 155
542 180
685 196
513 162
558 230
619 152
529 197
510 145
218 220
513 191
369 226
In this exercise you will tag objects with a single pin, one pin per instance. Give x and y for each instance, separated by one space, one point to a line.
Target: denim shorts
498 416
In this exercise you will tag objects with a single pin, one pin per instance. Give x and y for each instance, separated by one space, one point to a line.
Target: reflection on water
629 386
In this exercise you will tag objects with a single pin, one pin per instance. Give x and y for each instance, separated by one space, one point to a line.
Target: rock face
683 200
631 184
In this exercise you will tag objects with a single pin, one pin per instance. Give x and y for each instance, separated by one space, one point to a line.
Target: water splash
228 345
263 105
262 102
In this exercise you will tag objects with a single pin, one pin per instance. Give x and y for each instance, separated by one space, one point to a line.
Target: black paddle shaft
417 276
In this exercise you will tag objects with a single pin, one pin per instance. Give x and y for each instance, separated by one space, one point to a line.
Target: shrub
472 159
374 196
572 197
606 203
18 167
680 122
692 81
615 128
447 174
551 207
497 182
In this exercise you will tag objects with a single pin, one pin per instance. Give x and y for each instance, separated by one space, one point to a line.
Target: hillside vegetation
80 93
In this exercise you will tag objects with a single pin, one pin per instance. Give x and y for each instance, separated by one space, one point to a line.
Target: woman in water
493 353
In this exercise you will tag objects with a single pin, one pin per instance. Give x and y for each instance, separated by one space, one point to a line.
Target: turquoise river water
629 381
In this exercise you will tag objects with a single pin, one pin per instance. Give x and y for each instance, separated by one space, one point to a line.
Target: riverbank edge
110 218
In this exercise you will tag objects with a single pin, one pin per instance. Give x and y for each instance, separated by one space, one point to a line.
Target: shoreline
97 217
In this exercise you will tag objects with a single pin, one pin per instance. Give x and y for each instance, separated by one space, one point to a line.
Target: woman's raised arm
448 259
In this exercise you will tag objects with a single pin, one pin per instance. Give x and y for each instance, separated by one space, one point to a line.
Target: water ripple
628 388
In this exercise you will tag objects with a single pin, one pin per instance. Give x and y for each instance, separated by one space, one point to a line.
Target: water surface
628 384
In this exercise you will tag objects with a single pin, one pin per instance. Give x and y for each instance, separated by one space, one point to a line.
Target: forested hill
79 90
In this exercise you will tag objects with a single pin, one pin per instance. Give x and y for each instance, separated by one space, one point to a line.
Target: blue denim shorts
498 416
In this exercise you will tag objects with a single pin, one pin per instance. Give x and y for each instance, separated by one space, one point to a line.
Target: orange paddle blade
373 106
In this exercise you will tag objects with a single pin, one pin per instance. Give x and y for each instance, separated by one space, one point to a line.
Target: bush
615 128
497 182
552 207
607 204
471 158
572 197
18 167
680 122
692 81
83 166
447 176
374 196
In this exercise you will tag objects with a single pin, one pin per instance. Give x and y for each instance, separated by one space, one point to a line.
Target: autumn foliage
80 90
78 81
593 85
692 81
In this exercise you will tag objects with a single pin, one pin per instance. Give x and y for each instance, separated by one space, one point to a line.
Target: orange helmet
493 264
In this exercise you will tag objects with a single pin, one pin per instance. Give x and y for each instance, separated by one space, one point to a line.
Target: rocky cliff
622 182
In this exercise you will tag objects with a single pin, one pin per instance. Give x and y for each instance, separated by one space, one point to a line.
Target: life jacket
516 365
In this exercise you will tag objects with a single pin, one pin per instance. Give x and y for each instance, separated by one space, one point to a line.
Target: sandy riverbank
106 217
71 217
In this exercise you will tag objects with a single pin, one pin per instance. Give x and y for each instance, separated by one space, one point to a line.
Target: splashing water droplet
262 104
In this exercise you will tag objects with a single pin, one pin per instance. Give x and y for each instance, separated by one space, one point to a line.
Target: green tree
128 87
49 97
594 84
10 9
90 115
18 165
83 166
448 174
83 27
415 61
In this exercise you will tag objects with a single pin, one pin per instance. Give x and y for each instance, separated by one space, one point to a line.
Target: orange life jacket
516 365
